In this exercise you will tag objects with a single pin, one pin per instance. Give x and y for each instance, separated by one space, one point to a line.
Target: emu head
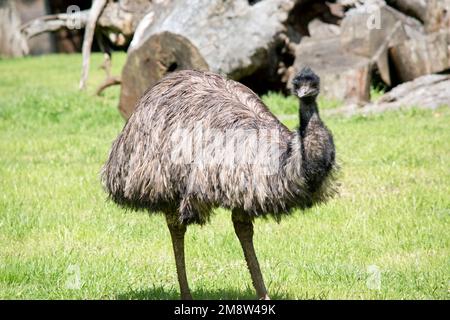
306 83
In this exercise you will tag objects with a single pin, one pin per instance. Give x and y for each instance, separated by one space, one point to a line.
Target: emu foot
186 296
265 297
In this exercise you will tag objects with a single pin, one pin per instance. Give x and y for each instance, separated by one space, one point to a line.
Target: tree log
51 23
427 92
430 91
12 42
211 24
371 29
236 38
365 28
162 53
421 56
124 16
413 8
344 76
435 14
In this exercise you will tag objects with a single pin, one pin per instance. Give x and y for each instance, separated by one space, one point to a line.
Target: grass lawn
386 236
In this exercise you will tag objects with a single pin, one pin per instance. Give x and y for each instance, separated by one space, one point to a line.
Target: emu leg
177 232
244 231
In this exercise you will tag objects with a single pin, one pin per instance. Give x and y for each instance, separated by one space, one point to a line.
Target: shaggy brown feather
148 167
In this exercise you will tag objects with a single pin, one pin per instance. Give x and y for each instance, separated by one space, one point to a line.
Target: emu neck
308 111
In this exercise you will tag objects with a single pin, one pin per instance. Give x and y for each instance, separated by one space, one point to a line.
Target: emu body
197 141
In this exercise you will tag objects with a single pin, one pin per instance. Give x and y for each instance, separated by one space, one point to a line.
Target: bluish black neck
308 110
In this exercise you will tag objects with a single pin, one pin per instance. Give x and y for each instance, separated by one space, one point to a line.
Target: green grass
392 212
376 92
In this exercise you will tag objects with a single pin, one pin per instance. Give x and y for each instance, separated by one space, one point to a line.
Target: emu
165 161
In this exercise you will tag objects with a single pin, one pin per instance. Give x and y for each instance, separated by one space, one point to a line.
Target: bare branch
94 13
52 22
108 82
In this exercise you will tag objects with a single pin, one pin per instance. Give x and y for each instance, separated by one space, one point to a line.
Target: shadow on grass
160 293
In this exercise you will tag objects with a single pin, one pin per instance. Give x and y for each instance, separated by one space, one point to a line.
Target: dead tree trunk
96 10
12 42
116 20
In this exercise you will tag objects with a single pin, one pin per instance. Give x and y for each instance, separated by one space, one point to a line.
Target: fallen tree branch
53 23
108 82
116 20
106 65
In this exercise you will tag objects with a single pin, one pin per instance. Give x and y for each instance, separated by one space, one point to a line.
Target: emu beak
303 91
